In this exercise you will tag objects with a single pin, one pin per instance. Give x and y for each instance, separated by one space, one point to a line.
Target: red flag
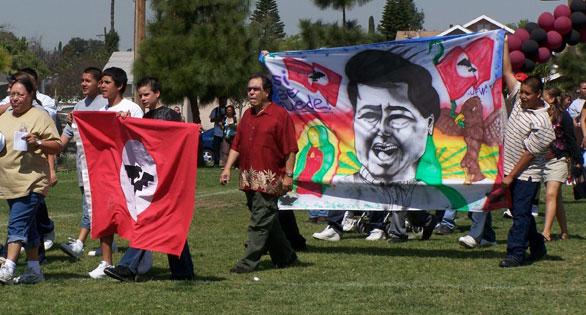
141 178
303 73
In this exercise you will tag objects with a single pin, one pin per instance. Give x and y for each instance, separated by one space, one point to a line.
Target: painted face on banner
390 133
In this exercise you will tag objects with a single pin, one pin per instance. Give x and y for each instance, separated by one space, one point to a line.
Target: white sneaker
507 214
98 252
49 239
328 234
376 235
485 243
73 249
98 273
467 242
348 223
535 210
6 276
29 277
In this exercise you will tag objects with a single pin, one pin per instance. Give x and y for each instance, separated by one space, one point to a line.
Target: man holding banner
265 145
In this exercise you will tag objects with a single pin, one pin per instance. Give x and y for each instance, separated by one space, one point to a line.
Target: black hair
534 83
153 83
118 76
94 72
266 82
30 71
29 85
385 69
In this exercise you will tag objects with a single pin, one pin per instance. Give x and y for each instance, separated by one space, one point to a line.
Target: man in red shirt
265 145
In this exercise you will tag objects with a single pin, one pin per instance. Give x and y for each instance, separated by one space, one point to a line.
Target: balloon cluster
535 42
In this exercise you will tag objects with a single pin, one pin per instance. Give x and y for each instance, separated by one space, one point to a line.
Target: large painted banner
411 124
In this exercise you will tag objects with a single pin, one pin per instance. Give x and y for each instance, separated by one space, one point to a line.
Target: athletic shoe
485 243
376 235
6 276
29 277
509 262
507 214
73 249
328 234
239 269
98 273
120 272
468 242
49 238
444 230
348 224
396 239
428 230
98 251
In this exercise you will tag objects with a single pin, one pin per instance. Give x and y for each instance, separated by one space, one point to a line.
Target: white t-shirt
48 104
124 106
575 108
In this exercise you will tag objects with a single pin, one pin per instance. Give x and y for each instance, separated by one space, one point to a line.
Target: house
482 23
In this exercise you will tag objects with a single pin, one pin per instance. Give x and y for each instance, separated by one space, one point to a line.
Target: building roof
401 35
454 29
490 20
123 60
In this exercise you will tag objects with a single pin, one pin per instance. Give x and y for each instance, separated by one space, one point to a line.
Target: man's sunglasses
253 88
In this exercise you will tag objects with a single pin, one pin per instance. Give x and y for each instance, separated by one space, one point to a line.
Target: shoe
328 234
49 238
291 261
73 249
348 224
428 230
444 230
121 273
238 269
2 260
98 252
376 235
485 243
397 239
538 256
535 211
183 277
29 277
507 214
509 262
6 276
98 273
468 242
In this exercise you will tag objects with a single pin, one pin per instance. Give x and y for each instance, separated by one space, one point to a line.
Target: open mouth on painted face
385 151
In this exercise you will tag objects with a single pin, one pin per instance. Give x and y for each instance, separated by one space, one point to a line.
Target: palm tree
339 5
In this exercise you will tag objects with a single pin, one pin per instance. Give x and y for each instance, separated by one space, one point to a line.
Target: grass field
352 276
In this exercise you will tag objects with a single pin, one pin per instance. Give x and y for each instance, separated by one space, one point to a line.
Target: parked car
207 152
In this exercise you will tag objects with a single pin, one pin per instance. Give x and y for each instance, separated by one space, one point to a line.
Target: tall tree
324 35
339 5
5 60
199 49
572 66
267 24
400 15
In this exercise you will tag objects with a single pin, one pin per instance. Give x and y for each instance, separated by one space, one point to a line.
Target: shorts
556 170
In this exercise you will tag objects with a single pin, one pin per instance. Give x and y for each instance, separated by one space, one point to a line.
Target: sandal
545 238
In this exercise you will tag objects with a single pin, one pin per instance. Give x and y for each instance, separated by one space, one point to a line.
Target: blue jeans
22 221
481 228
317 213
85 218
216 145
449 219
139 261
44 225
523 234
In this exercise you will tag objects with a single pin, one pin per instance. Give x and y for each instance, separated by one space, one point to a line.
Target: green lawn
350 276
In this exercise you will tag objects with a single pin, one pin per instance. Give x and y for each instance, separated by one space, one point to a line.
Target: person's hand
123 115
265 53
53 178
70 119
507 181
287 183
225 176
31 140
549 154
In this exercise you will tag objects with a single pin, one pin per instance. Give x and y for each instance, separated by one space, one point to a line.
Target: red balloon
543 54
562 10
583 35
522 34
546 21
517 59
562 25
514 42
554 40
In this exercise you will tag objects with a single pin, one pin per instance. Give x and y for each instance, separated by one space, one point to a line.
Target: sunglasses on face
253 88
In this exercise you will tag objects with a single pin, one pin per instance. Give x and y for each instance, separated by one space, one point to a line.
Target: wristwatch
289 174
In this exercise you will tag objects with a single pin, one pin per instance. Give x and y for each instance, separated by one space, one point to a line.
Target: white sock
10 265
79 242
34 264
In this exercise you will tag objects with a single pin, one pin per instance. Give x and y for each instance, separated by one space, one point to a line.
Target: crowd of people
542 143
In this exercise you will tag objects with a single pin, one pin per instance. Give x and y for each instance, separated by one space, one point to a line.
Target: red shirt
264 141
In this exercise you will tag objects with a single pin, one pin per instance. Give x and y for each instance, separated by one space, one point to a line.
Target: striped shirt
527 130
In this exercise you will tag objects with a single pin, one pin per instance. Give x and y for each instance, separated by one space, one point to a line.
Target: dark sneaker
238 269
444 230
183 277
533 257
397 239
121 273
509 262
288 263
428 230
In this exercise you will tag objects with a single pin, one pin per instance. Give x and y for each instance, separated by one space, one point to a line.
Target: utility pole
139 33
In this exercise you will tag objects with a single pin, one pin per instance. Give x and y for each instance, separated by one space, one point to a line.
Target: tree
199 49
339 5
324 35
5 60
111 41
267 24
572 66
400 15
371 25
